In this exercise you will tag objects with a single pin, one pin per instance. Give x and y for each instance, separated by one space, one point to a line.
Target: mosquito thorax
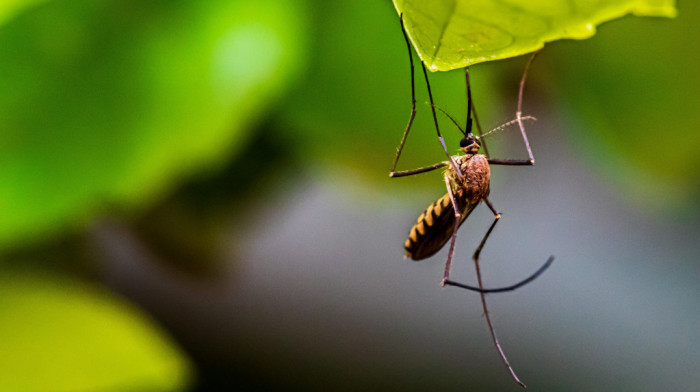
469 144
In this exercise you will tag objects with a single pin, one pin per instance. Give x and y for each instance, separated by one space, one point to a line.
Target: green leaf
10 8
112 102
450 34
62 335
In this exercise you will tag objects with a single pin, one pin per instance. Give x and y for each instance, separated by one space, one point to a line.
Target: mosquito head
469 144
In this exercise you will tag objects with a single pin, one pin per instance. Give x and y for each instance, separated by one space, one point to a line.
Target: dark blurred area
195 196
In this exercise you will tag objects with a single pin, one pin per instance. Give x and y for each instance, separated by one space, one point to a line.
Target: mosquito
467 179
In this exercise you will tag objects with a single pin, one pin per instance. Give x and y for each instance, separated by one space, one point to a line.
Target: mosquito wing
434 227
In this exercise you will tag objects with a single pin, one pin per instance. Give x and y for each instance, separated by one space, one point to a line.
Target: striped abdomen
434 227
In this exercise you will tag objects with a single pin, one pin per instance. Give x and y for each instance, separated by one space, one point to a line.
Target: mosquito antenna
453 121
507 124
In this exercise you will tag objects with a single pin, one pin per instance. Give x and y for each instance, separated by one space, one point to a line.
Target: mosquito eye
464 142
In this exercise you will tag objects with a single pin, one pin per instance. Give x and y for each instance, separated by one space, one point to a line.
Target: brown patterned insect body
434 227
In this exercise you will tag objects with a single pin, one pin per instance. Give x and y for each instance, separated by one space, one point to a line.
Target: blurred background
195 196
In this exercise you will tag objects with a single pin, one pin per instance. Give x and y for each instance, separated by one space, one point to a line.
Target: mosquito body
467 179
436 224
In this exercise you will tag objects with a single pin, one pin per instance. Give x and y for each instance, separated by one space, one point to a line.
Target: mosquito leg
496 214
413 103
519 119
405 173
512 162
486 310
504 289
519 112
458 219
473 112
437 128
476 255
393 172
477 252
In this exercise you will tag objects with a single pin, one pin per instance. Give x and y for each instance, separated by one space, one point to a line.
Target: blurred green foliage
451 34
58 334
633 94
9 8
110 101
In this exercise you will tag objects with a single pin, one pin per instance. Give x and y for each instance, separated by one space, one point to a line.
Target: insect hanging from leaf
467 179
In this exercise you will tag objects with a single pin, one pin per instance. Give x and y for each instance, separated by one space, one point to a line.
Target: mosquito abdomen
433 228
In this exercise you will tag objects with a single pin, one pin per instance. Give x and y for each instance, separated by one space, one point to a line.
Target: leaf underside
451 34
